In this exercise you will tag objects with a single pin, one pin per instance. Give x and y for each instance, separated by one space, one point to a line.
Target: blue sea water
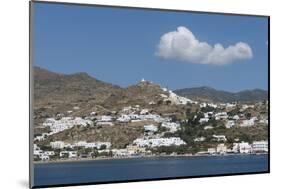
146 168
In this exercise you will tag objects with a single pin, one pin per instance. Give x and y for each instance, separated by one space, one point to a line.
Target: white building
150 128
199 139
72 154
124 118
120 152
212 105
247 123
229 124
156 142
93 113
37 152
260 146
104 118
236 117
49 153
221 149
230 105
153 117
80 144
69 154
44 157
103 123
57 145
265 121
65 123
211 150
175 99
39 138
144 112
97 144
203 120
219 138
221 116
173 127
245 148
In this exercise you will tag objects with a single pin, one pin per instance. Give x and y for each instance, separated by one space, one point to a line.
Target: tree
103 147
95 153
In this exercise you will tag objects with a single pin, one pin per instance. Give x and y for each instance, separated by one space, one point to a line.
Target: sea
116 170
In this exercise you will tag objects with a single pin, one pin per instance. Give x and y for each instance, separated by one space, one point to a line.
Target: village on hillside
210 129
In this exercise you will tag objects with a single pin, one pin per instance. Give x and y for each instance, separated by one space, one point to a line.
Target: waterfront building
260 146
221 149
211 150
245 148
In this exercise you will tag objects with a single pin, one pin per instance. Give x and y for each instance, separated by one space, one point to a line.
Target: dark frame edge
31 164
268 86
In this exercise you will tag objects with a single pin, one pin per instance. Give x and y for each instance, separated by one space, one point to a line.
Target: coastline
142 157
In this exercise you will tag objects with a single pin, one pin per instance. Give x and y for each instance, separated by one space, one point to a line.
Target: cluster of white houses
230 121
136 114
65 123
97 145
242 147
152 137
157 142
139 148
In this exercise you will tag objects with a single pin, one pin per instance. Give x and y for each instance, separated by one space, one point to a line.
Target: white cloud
183 45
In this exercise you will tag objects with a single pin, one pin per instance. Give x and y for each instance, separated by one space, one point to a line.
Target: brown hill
56 93
60 93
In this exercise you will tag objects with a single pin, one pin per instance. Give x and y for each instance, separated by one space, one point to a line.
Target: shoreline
141 157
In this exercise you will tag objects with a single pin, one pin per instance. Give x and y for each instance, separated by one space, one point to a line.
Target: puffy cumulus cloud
183 45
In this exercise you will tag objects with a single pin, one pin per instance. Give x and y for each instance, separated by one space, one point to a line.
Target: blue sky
119 46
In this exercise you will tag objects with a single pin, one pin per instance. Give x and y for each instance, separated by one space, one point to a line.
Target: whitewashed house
72 154
247 123
236 117
230 124
44 157
221 116
49 153
221 149
173 127
144 112
220 138
156 142
211 150
150 128
57 145
124 118
245 148
199 139
260 146
203 120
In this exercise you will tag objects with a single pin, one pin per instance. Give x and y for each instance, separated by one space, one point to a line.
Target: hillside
78 109
57 93
211 94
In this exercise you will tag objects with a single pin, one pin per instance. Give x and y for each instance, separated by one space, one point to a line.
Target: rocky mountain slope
210 94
